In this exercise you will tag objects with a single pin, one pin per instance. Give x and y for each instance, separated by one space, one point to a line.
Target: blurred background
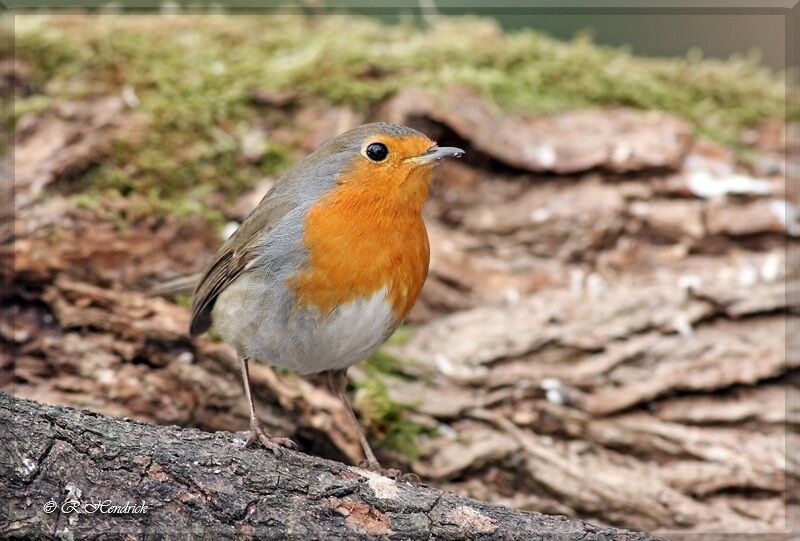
603 330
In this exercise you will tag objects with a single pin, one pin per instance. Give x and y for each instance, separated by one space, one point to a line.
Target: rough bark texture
209 484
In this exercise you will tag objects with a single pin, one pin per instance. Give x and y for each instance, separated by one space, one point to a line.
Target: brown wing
308 180
232 259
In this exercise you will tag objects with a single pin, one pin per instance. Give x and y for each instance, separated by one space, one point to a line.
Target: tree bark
198 484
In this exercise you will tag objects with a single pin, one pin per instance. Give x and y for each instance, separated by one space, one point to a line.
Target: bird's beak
435 153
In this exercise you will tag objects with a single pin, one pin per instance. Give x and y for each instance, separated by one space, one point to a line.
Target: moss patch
386 417
192 75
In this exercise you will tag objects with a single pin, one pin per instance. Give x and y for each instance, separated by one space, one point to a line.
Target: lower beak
434 154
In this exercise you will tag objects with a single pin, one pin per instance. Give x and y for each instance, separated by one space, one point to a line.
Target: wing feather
233 257
306 181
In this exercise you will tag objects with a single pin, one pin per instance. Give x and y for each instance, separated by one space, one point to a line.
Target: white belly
257 318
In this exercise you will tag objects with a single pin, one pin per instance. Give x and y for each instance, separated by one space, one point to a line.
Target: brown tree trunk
208 485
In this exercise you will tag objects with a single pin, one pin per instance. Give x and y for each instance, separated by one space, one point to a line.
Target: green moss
35 104
213 335
44 48
387 418
184 300
401 336
381 363
192 75
94 202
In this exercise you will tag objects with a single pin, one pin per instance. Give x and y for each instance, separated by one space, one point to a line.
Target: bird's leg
338 382
257 432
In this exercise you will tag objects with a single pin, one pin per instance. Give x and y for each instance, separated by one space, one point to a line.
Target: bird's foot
391 473
273 443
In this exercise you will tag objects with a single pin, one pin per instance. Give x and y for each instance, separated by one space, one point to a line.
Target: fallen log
69 473
76 474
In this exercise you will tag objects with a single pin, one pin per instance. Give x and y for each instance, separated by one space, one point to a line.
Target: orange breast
362 237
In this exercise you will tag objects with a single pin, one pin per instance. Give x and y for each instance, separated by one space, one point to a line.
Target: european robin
328 264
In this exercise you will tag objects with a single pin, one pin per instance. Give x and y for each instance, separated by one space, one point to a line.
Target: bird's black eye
377 152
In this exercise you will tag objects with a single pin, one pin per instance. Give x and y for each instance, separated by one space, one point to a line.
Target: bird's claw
273 443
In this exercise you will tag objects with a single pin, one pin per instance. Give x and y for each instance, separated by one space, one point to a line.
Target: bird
327 266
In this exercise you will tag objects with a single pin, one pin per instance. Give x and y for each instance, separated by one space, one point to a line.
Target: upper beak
434 154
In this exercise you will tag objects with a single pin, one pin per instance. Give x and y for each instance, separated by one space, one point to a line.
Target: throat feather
358 244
